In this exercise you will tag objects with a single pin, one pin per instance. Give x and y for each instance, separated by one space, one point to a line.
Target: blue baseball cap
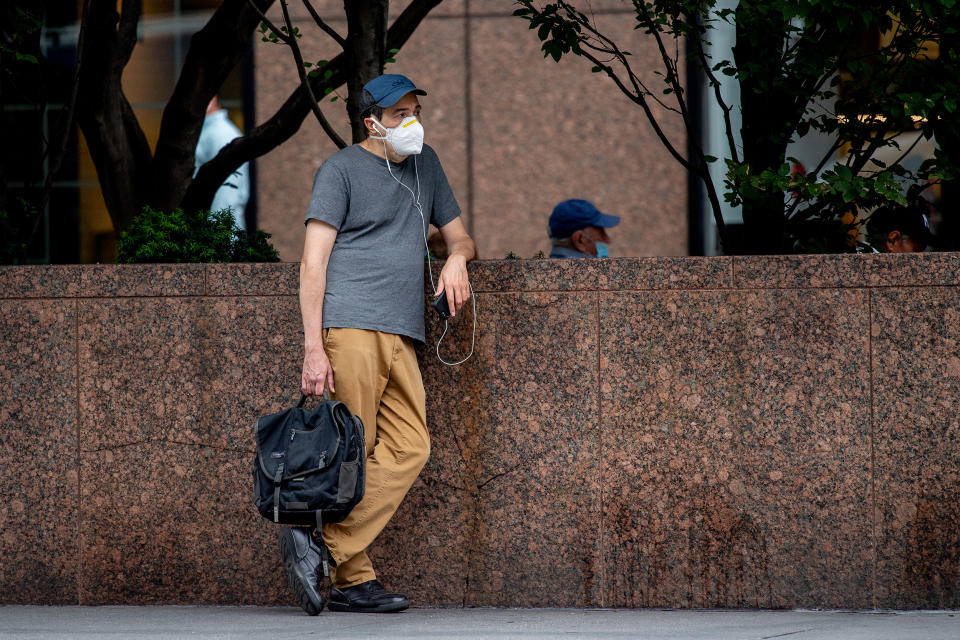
572 215
385 90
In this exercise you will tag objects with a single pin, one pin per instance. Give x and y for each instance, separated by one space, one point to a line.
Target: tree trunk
366 52
118 147
287 120
214 51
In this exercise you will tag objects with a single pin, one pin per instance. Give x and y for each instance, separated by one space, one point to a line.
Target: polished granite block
250 364
846 270
422 552
38 452
119 280
249 279
916 373
168 523
736 444
628 273
522 414
39 281
141 367
917 269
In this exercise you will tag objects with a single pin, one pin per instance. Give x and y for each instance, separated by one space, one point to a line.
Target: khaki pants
377 376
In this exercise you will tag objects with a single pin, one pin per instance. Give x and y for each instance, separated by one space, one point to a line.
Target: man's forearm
313 284
463 248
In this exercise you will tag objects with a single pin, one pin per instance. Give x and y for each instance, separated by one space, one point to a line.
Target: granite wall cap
253 279
39 281
846 270
142 280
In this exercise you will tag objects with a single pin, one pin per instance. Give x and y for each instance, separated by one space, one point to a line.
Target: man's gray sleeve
445 207
331 196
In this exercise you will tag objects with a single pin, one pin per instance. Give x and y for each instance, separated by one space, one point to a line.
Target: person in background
578 230
898 229
217 132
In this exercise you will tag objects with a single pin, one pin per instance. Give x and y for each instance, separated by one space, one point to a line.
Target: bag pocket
347 487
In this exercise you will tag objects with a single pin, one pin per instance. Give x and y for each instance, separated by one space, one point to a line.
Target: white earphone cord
423 225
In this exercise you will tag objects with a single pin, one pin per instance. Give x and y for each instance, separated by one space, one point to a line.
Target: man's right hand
317 373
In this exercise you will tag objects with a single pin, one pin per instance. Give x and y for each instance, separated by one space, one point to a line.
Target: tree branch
302 72
214 51
286 38
323 25
288 118
127 30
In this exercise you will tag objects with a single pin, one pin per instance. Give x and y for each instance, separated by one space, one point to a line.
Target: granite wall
664 432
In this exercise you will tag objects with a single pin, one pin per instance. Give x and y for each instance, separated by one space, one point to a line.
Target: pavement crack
789 633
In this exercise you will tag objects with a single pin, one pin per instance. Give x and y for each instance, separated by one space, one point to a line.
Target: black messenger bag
309 467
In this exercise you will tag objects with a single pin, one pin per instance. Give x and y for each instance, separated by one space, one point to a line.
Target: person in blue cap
579 230
361 297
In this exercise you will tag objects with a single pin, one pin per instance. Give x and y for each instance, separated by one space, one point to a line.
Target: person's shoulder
430 157
342 161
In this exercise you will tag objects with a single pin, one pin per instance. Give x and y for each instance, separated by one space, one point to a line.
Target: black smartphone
441 305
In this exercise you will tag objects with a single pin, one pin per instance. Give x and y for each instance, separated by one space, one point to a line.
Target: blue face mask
602 251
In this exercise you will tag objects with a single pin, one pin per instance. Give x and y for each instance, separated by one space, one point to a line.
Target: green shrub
200 236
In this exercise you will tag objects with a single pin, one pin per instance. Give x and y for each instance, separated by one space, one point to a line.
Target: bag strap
303 398
322 545
277 477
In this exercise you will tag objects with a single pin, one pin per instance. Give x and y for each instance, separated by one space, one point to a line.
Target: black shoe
301 558
366 597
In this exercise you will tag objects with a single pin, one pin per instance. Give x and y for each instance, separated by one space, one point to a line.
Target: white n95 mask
406 138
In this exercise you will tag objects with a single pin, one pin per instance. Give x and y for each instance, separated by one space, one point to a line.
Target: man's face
585 240
406 106
896 242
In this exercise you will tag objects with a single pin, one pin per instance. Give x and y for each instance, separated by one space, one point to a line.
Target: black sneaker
301 558
366 597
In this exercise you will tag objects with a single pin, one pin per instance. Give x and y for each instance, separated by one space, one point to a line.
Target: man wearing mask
579 230
361 297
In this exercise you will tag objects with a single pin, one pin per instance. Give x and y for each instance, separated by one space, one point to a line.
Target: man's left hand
454 282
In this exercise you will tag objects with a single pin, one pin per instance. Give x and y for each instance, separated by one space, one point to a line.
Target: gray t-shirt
375 273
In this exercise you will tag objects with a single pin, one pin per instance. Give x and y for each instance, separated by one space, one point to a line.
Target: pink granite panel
544 132
251 362
117 280
172 523
38 452
737 449
248 279
522 416
593 275
141 371
916 374
847 270
628 273
917 269
423 552
494 275
39 281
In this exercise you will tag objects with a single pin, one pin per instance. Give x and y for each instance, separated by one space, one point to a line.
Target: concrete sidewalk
265 623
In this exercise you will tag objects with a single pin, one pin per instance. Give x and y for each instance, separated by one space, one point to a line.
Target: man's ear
893 238
579 240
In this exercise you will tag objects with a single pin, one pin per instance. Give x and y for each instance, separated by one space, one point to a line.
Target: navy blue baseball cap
385 90
572 215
